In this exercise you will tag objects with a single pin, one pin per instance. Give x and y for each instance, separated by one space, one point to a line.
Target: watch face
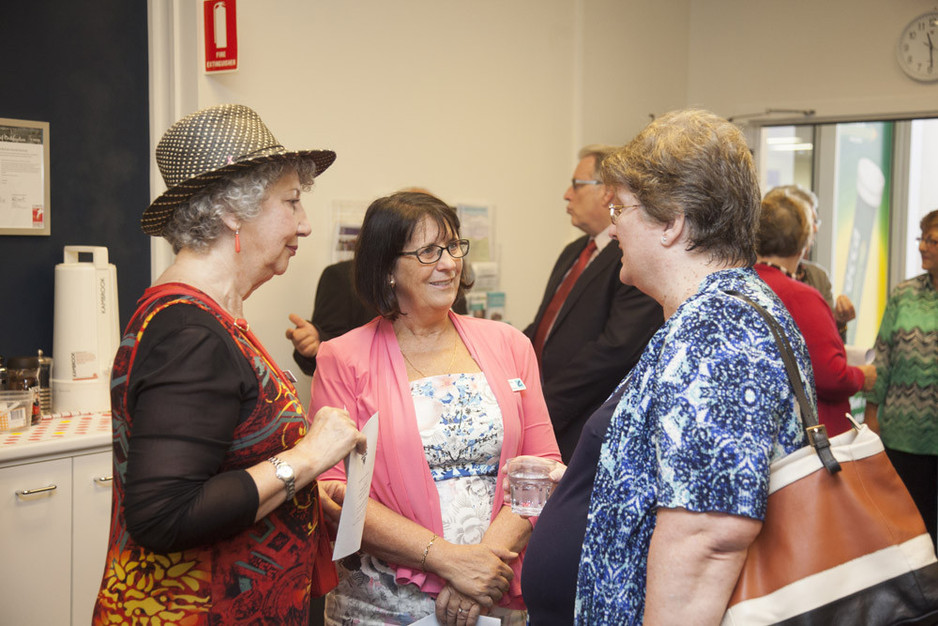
916 51
284 471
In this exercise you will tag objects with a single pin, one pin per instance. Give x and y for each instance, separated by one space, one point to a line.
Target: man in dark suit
590 329
337 310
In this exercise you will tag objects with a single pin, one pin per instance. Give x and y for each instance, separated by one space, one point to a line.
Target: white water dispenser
86 331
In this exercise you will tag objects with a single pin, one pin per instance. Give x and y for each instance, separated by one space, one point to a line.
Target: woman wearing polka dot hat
216 513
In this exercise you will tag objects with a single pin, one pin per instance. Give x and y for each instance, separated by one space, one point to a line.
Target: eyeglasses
576 183
928 241
615 210
428 255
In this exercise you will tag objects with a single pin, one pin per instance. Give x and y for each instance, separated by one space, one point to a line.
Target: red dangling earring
238 240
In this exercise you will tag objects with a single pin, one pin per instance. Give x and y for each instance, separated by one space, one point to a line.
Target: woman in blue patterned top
682 476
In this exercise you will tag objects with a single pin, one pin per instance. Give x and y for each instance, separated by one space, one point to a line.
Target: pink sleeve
330 389
538 432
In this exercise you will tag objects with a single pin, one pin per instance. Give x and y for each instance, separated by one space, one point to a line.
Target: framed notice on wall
24 177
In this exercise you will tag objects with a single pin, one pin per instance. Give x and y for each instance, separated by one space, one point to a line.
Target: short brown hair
929 221
785 225
696 163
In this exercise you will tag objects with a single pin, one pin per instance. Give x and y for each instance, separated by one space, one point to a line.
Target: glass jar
23 375
45 383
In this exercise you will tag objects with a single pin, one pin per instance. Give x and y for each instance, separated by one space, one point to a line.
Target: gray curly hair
199 222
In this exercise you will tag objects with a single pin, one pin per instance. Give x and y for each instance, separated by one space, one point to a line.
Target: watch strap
287 478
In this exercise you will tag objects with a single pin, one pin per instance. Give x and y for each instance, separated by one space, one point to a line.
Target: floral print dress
461 428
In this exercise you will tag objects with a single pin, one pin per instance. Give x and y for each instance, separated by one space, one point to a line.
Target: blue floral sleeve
705 411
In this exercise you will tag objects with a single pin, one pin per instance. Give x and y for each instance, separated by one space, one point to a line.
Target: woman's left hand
556 473
454 608
331 495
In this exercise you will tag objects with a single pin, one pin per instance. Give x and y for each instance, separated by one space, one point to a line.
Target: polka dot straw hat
201 148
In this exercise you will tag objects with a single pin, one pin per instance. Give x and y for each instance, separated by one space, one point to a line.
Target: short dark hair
785 225
696 163
388 225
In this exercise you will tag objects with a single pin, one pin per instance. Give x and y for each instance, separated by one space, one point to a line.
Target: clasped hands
476 575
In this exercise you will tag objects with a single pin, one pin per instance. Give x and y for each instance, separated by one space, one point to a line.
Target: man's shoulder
575 246
342 269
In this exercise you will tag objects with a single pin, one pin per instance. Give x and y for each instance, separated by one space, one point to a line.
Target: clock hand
931 51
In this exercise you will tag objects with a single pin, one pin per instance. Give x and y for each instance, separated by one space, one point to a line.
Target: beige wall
835 56
471 100
488 101
634 65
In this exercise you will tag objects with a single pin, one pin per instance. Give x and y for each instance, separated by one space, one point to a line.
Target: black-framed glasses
928 241
615 210
428 255
576 183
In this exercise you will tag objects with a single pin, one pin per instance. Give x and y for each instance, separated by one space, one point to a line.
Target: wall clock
917 49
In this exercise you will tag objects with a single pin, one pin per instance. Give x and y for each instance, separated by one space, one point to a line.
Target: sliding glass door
874 181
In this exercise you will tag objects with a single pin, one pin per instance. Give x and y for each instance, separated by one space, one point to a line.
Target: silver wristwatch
285 473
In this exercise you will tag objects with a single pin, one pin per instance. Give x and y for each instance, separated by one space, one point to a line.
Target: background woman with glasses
456 397
903 406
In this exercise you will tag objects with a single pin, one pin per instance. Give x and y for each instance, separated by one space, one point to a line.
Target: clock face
917 50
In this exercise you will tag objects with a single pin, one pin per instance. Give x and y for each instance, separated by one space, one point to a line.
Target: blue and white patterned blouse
707 408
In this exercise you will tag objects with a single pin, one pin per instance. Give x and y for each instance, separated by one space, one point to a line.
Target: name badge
516 384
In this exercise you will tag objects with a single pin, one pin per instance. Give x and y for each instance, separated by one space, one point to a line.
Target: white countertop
62 433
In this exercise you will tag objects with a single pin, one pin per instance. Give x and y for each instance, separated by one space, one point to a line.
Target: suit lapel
606 257
566 260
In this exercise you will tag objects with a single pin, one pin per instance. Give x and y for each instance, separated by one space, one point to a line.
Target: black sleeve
307 365
189 388
337 309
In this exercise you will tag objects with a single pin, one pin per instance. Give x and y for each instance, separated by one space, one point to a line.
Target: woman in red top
782 238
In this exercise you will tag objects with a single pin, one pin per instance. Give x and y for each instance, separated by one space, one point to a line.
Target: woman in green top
903 406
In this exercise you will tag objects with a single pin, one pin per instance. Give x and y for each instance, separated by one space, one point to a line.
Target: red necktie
562 292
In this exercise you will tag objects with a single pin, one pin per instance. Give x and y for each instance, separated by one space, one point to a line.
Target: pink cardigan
363 371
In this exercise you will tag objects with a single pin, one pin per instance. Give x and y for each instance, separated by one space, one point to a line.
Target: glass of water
530 484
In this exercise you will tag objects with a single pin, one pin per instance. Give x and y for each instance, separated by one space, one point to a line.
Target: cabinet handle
32 492
103 479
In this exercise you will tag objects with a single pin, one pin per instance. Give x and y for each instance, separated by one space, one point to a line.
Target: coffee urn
86 331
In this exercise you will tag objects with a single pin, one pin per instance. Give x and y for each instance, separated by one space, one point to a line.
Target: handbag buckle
817 435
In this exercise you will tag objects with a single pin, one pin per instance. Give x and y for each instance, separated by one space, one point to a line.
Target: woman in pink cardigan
456 397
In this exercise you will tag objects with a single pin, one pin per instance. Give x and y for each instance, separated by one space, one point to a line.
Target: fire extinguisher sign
221 36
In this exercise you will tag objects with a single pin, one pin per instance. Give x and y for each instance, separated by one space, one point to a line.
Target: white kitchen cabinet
55 511
91 520
36 542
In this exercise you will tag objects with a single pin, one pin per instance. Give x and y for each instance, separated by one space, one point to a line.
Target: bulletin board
24 177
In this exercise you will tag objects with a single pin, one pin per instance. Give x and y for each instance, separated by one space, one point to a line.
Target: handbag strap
816 432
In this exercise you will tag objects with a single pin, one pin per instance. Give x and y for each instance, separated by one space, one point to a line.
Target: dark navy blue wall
82 67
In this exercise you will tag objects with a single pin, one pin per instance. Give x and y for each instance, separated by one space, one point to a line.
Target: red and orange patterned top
195 403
